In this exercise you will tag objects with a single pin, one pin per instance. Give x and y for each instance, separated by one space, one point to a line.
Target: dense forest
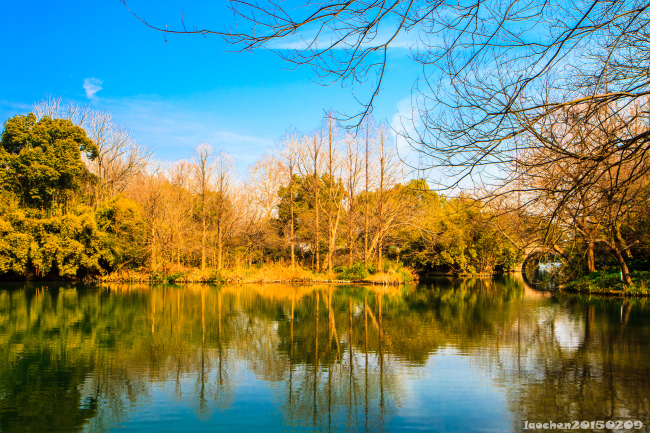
81 199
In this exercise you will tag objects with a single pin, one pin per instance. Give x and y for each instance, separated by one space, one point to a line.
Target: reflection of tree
562 375
127 341
28 393
332 375
335 355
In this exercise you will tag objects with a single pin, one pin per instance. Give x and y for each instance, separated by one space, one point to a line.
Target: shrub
609 280
357 271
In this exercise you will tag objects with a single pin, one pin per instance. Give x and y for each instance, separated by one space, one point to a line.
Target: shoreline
608 292
198 278
378 279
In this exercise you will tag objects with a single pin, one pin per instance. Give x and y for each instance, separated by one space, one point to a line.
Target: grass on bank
608 282
391 273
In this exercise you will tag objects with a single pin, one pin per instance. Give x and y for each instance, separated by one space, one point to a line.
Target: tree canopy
41 160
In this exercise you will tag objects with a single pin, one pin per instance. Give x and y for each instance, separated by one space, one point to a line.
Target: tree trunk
330 232
591 265
365 238
379 256
619 248
350 239
219 245
330 198
178 256
317 234
621 242
317 205
293 243
332 240
625 272
153 249
203 232
380 216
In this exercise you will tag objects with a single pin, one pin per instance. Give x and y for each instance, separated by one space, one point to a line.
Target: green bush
406 276
357 271
216 277
175 277
610 280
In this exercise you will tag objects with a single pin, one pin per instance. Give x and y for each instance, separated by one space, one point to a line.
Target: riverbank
269 273
608 283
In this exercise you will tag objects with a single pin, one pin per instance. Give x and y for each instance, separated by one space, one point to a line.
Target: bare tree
334 205
290 154
384 208
577 180
203 174
265 177
252 217
353 174
180 174
120 158
311 168
367 182
224 173
387 177
490 70
57 109
149 193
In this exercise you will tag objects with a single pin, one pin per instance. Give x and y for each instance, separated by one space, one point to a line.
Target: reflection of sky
534 357
569 331
550 266
251 407
446 394
450 397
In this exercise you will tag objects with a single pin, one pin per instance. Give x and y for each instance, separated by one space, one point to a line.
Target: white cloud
12 105
404 123
11 108
234 138
92 86
174 130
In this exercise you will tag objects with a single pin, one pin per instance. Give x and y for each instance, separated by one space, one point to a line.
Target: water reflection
470 355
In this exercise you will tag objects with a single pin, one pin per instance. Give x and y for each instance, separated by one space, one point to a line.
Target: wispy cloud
404 125
234 138
12 105
92 86
174 130
404 122
11 108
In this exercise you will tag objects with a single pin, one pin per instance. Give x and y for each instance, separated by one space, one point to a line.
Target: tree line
82 198
542 106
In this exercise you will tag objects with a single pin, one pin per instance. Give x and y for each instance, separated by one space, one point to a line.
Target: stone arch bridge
532 250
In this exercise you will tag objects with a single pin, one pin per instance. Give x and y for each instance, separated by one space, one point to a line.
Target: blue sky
173 92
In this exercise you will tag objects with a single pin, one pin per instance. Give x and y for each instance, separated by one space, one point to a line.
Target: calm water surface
470 356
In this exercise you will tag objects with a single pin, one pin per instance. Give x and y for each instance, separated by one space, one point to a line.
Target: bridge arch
540 266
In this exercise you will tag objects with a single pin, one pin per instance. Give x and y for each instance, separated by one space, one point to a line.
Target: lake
472 355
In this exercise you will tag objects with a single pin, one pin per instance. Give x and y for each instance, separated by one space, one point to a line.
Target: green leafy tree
451 235
41 160
122 228
303 205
